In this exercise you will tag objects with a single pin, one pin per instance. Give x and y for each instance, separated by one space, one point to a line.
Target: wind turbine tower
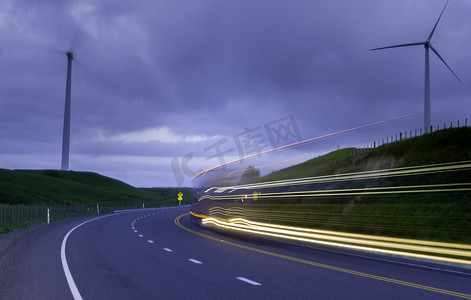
66 132
428 46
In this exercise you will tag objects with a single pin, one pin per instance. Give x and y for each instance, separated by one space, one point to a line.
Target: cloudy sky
159 87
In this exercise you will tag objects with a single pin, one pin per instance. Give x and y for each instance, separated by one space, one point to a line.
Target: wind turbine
427 45
66 132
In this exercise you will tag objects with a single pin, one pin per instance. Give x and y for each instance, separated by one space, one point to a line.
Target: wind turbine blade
434 27
396 46
436 52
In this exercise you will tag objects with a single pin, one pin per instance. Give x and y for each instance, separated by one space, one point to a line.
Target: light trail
240 170
433 188
338 233
405 247
394 172
315 209
202 173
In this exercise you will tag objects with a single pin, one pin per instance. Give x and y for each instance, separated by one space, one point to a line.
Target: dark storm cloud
193 72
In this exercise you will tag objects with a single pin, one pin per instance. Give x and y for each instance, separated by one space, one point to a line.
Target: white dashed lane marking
248 281
150 241
135 231
195 261
168 250
141 235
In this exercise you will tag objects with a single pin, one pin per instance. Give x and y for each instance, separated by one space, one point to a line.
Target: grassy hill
313 167
449 145
41 187
26 195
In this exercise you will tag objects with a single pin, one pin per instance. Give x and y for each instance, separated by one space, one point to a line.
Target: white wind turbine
66 132
427 45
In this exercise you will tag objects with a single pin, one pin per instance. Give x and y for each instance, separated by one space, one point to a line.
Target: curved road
159 254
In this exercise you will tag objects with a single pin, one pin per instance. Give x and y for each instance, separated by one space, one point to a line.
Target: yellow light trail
240 170
394 172
351 241
353 235
432 188
202 173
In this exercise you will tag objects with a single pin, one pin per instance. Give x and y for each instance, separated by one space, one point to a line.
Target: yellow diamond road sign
180 195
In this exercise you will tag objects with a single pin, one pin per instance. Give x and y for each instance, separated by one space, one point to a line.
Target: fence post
97 208
48 218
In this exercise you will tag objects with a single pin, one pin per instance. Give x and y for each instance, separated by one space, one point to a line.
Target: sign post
180 198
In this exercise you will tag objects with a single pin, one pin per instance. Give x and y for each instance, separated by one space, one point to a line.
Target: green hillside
450 145
41 187
27 195
312 167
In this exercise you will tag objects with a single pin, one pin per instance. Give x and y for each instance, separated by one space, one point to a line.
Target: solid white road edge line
248 281
70 280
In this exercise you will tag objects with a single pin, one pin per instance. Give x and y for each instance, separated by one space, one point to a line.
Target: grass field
25 196
50 187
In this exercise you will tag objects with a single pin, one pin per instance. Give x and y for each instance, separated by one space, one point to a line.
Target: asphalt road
144 254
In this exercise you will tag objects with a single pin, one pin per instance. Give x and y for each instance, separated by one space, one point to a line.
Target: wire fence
415 133
11 215
31 215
